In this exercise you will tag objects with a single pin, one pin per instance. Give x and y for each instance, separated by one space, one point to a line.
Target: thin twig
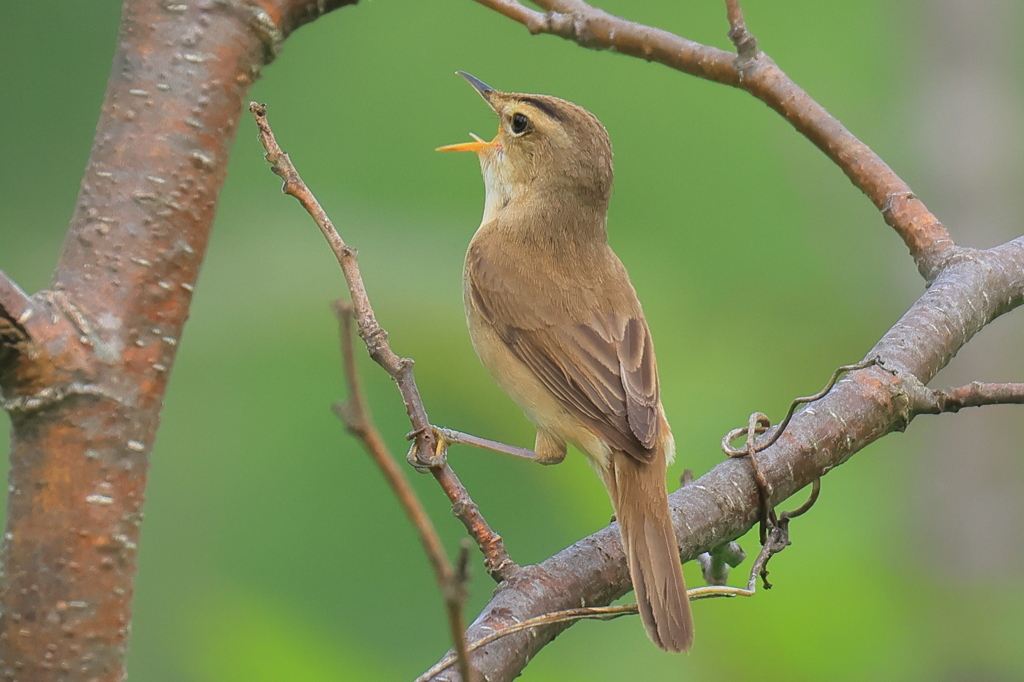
745 42
975 394
928 241
533 20
370 331
400 369
496 559
357 419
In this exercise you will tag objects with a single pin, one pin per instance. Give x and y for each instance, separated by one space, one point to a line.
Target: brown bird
554 318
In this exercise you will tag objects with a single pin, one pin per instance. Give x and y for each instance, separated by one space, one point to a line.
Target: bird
554 318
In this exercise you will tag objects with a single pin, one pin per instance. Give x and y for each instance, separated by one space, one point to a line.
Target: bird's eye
519 124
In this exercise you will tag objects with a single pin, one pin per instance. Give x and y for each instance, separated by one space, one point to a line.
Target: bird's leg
548 449
446 437
452 436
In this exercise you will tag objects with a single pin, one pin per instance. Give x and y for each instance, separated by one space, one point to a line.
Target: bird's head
545 147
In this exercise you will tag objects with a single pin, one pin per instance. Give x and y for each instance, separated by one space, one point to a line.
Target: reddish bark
84 390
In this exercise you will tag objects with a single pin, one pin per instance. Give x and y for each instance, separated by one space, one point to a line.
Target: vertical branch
85 395
745 42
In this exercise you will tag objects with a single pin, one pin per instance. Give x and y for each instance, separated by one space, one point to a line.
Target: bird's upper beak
480 144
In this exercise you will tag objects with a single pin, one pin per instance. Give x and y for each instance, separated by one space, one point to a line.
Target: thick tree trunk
84 365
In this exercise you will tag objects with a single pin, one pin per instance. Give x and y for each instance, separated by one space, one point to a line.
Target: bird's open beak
477 146
480 145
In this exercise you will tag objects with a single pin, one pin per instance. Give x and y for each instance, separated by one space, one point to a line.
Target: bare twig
496 559
975 394
15 309
357 419
375 338
756 73
745 42
356 416
533 20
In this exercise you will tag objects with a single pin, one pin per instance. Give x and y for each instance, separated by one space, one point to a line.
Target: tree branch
496 559
745 42
968 290
15 307
757 74
723 504
85 396
974 394
356 416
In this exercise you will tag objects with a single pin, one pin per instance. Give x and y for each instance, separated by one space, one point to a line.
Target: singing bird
554 318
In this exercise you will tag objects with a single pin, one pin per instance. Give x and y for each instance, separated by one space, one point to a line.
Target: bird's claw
437 459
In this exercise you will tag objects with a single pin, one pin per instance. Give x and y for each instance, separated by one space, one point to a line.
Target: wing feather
602 370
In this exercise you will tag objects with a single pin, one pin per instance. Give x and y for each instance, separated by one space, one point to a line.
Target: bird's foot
439 456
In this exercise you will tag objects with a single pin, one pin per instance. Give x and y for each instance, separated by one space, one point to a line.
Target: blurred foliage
272 549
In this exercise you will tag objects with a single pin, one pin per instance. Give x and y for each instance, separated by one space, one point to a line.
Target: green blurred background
272 550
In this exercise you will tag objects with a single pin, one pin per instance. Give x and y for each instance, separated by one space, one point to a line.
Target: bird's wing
602 370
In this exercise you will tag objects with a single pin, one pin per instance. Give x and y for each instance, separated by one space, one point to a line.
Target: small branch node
745 42
951 400
262 24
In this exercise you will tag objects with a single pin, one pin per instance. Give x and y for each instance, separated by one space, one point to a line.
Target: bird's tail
637 491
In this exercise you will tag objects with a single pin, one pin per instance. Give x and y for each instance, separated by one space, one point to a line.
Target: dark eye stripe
546 107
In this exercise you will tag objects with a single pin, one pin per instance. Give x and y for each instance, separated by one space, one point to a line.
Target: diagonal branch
496 559
723 504
928 241
15 309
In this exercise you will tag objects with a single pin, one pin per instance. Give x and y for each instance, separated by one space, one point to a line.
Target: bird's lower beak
477 146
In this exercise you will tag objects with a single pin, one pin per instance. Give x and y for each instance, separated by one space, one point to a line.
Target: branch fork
727 501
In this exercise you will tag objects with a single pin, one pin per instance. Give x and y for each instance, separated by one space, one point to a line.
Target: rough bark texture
85 363
973 289
967 290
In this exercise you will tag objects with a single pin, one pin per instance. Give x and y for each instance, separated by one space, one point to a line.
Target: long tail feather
637 491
